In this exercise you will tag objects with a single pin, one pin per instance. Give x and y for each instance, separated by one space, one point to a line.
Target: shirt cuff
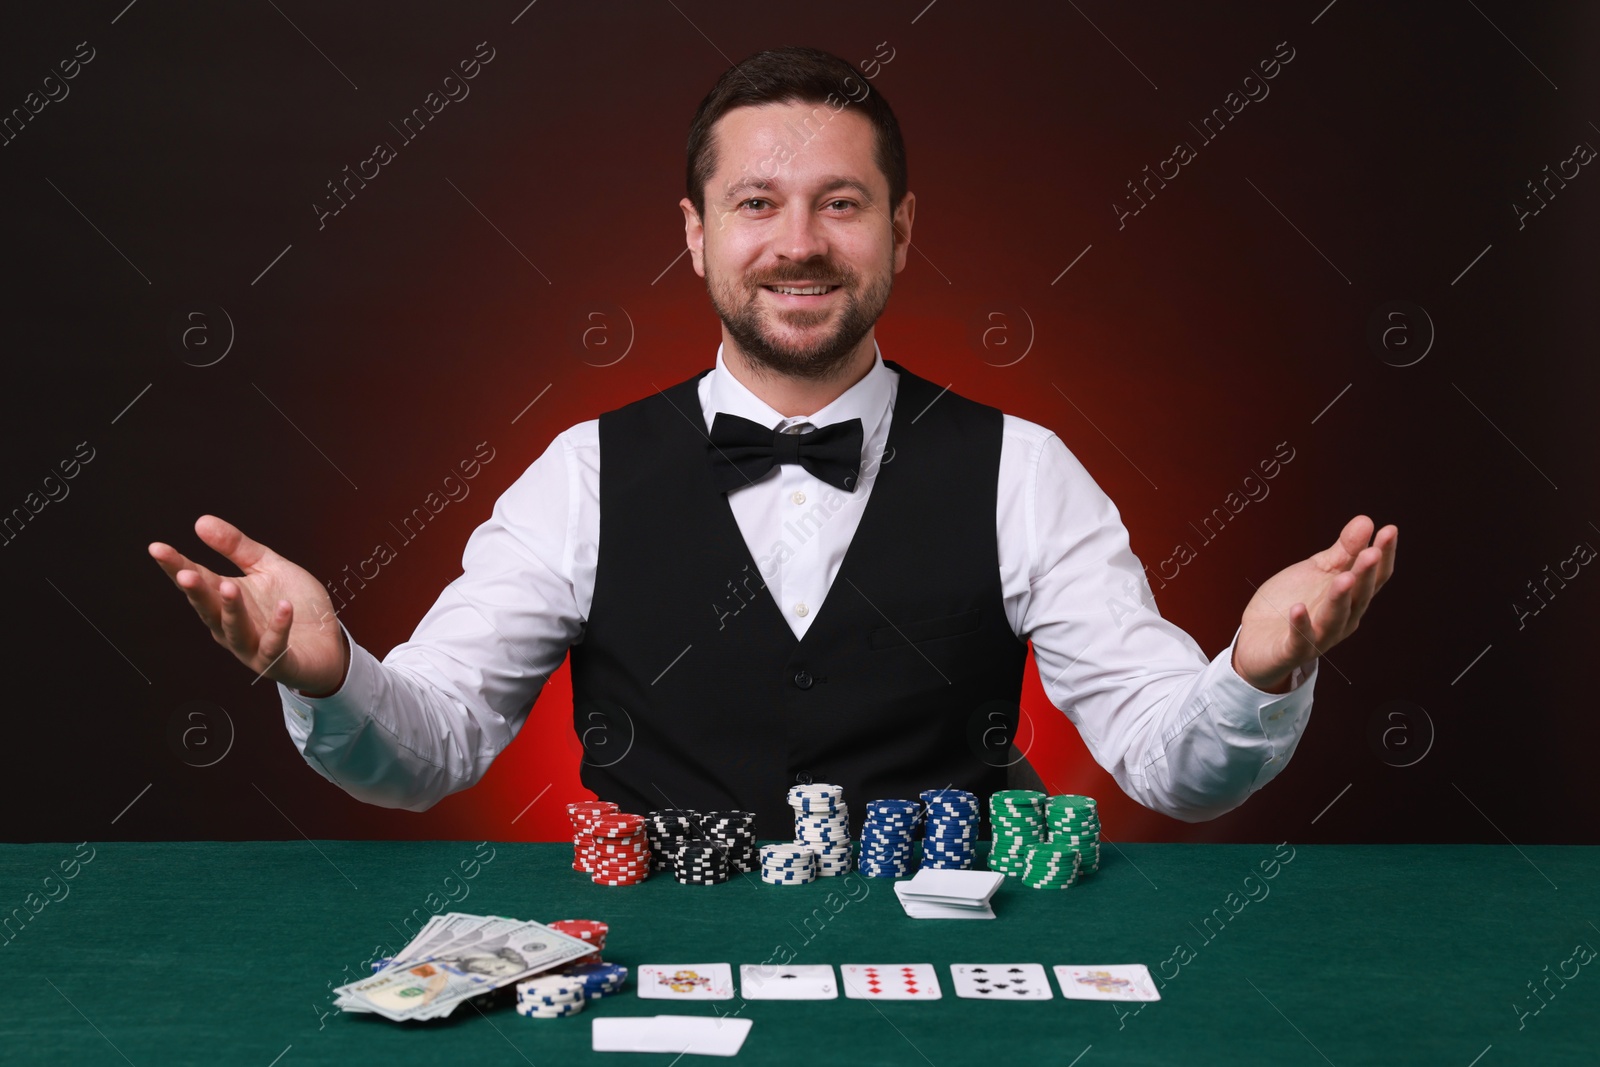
1278 719
345 705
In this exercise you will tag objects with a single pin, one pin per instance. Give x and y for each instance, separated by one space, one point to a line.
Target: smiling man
804 564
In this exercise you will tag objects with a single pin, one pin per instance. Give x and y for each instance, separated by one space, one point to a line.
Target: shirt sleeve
1181 734
429 718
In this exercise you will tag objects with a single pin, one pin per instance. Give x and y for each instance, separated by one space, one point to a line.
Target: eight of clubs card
1001 981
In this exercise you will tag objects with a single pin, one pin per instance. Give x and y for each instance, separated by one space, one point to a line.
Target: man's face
798 202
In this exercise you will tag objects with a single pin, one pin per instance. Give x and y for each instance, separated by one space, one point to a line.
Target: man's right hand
275 617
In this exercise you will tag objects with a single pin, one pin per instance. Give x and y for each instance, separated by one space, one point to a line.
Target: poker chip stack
667 830
599 979
1050 866
735 831
583 813
1075 822
550 997
949 828
619 850
886 838
787 864
1017 817
700 862
591 931
822 825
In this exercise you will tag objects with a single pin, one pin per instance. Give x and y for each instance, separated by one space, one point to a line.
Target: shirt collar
867 400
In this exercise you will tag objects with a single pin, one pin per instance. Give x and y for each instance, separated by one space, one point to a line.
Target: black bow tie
743 451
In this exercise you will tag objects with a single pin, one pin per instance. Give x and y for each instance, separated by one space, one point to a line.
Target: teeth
814 290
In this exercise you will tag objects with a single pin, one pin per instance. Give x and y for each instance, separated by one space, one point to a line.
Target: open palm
1305 609
275 616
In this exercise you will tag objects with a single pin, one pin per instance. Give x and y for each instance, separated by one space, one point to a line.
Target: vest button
803 679
803 778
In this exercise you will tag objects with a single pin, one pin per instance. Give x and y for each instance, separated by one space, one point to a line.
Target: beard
757 329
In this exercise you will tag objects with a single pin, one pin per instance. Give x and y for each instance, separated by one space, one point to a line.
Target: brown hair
793 75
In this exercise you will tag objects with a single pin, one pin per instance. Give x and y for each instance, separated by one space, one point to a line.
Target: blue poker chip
597 974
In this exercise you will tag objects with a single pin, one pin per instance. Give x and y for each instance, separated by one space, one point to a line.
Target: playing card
699 1036
760 981
938 886
686 981
677 1034
918 908
890 981
1111 981
630 1034
1001 981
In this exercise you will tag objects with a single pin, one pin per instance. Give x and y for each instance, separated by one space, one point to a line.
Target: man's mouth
800 292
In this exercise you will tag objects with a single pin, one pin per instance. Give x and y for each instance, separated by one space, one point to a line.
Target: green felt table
224 953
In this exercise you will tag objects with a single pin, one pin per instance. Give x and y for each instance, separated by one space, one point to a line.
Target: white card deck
1107 981
1001 981
890 981
759 981
686 981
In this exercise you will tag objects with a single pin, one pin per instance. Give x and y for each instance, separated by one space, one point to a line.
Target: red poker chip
618 881
617 825
587 929
587 812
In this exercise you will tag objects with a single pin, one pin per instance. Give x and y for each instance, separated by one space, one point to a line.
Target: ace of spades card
808 982
1001 981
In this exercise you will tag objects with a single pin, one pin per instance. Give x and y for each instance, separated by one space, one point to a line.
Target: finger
231 541
1366 573
200 586
237 626
1333 611
1351 540
275 642
1356 535
1390 546
171 560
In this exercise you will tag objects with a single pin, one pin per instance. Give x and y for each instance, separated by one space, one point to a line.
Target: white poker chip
550 986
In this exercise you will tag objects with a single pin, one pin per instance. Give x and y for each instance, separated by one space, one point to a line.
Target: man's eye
847 203
754 200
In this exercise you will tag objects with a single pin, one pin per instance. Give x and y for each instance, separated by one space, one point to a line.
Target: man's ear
694 234
902 229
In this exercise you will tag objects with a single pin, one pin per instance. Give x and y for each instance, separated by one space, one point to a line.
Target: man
739 617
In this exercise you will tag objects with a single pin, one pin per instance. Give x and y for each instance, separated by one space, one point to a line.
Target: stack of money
456 957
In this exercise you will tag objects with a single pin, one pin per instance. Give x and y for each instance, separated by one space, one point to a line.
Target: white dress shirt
1180 735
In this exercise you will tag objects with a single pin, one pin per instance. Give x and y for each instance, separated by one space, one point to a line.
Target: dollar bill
483 959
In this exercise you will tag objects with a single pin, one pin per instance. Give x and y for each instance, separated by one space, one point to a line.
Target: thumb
1302 643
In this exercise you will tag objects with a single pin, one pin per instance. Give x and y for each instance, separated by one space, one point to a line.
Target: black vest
689 688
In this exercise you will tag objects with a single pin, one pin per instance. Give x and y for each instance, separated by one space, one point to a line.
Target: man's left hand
1305 609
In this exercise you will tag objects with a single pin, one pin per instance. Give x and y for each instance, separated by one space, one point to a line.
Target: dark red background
1190 342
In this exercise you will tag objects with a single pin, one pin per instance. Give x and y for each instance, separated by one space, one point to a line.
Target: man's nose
800 235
